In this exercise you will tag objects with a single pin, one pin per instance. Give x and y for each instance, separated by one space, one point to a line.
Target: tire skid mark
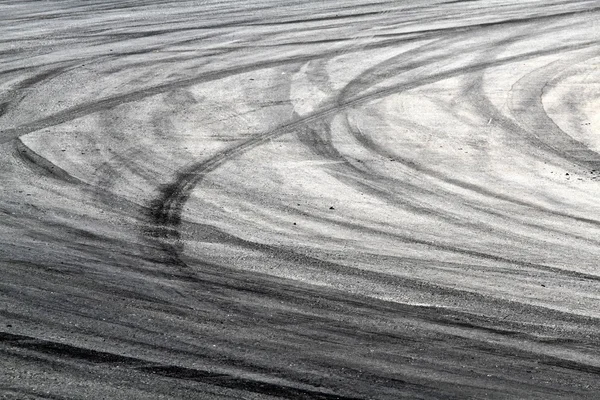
111 102
322 266
13 97
447 337
66 351
347 172
459 250
368 143
165 214
526 104
444 318
21 393
396 193
41 165
474 93
300 294
241 281
324 148
511 126
474 28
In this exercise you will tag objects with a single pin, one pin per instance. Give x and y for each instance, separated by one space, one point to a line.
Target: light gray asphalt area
299 200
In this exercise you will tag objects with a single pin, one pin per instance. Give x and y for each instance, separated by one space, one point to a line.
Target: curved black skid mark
42 165
164 217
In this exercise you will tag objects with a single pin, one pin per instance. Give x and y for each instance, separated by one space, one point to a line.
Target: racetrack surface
299 199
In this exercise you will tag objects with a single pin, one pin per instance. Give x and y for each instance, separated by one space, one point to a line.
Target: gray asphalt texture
299 199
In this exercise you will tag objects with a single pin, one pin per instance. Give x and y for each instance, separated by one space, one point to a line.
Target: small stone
331 208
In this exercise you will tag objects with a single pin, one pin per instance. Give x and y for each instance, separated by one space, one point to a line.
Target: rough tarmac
290 199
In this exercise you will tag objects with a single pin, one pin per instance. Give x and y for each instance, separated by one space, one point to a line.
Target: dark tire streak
98 357
166 210
152 246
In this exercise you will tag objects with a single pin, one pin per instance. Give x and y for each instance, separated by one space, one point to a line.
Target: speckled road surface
299 199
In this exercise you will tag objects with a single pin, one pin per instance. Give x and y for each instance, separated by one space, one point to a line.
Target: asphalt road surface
299 199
